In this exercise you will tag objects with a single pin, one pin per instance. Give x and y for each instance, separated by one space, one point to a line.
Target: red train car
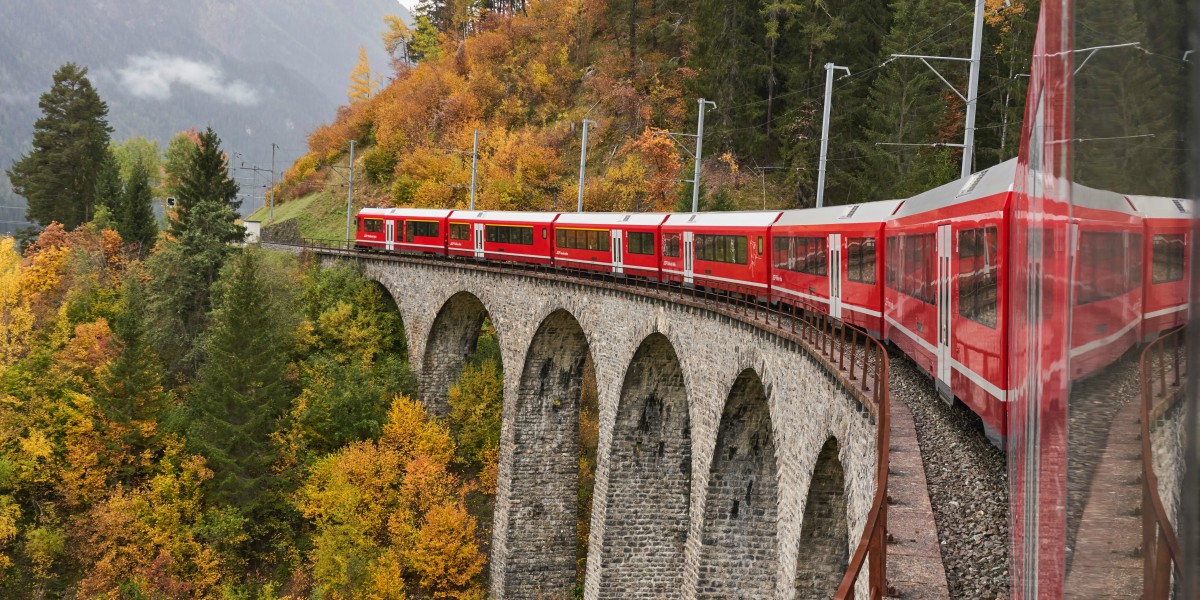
404 229
1106 259
1165 280
945 286
619 243
719 250
832 260
500 235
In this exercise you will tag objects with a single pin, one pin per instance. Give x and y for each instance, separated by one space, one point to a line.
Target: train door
945 247
479 240
618 252
688 267
835 275
391 234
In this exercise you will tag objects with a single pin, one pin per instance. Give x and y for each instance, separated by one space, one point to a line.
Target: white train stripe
980 381
1104 341
906 331
1166 311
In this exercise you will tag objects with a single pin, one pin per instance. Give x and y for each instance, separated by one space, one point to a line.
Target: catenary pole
350 192
271 216
973 90
699 148
829 69
474 162
583 161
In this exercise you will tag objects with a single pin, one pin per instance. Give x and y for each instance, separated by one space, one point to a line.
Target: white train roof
1161 207
1089 197
610 218
866 212
753 218
988 182
504 216
429 213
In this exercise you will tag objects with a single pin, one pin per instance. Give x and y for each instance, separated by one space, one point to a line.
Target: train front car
501 236
1166 239
1107 290
719 250
619 243
945 289
830 260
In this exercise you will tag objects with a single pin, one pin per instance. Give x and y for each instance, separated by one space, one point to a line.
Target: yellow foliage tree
445 555
362 87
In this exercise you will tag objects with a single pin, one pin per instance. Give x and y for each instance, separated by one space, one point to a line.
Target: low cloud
154 75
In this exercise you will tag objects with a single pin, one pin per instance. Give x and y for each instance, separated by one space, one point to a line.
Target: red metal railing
1163 372
850 354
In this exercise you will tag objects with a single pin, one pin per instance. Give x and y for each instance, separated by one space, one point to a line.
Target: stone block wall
824 536
796 407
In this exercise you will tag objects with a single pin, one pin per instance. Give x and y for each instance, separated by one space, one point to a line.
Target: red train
928 273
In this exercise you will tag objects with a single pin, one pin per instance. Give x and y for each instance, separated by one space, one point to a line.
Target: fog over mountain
258 71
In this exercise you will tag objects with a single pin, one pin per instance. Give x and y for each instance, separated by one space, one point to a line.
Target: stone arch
452 338
392 304
541 536
649 478
738 555
824 535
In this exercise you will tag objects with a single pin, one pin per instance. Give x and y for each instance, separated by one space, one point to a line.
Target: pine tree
242 390
200 232
361 86
135 220
58 177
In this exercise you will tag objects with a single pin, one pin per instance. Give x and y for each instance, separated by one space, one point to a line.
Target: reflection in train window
1168 258
977 273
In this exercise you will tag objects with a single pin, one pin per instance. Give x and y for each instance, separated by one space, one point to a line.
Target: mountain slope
258 71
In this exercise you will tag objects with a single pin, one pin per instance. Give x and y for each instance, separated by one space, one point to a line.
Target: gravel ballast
968 485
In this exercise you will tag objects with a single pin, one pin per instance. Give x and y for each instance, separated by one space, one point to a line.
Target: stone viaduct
731 463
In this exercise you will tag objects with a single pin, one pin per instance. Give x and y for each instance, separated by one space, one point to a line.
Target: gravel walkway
968 486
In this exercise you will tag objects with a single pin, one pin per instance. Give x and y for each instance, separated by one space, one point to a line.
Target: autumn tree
396 38
362 87
139 151
58 177
242 389
176 160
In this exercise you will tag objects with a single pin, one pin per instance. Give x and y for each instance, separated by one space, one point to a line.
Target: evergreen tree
242 391
132 393
58 177
135 220
109 190
200 232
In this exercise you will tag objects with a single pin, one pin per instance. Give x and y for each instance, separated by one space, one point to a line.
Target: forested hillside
527 73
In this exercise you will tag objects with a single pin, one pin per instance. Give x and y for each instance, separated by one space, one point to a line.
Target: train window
860 259
509 234
802 255
373 225
641 242
1168 258
582 239
911 265
460 231
671 245
423 229
1108 265
977 274
732 249
760 245
544 232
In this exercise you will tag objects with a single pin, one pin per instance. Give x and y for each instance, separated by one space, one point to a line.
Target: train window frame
460 229
671 245
909 266
1105 267
727 249
860 260
640 242
978 290
1171 257
522 235
372 225
424 229
802 254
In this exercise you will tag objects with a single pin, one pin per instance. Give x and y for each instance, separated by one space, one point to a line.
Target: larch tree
396 39
361 85
135 219
58 177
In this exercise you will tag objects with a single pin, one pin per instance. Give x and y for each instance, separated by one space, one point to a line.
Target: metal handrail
1160 547
834 344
